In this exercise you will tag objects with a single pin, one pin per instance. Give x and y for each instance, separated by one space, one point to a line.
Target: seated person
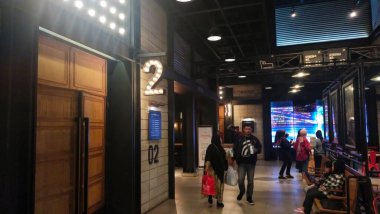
335 181
325 175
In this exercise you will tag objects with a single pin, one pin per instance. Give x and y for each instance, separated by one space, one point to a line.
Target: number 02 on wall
155 67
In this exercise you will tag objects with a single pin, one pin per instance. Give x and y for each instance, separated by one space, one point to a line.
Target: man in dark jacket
245 152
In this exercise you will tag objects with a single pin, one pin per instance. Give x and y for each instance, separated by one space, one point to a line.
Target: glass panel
326 116
350 114
334 114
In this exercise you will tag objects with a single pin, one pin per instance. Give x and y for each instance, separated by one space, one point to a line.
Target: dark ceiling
248 32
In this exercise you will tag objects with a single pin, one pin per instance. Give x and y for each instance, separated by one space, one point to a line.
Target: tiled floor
270 195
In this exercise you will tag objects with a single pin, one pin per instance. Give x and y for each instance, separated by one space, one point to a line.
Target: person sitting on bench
335 181
325 175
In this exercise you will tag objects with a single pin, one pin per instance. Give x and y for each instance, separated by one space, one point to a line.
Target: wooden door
56 151
94 109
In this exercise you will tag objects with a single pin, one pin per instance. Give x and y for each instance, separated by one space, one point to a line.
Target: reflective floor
270 195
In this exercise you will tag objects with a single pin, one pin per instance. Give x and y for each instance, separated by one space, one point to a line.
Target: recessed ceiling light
230 60
113 10
103 3
121 16
268 88
102 19
122 1
221 97
376 78
242 76
301 74
91 12
121 31
214 38
366 88
78 4
184 0
293 13
353 14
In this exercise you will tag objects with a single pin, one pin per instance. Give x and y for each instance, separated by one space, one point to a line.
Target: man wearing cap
245 152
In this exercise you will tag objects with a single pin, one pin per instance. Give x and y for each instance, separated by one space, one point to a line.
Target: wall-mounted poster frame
349 89
335 118
326 118
204 139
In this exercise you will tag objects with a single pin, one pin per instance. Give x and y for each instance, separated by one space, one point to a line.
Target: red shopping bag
208 185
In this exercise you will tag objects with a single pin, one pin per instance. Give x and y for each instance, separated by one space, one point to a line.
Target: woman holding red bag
215 165
303 150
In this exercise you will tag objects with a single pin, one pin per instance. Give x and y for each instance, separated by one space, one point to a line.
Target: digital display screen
291 118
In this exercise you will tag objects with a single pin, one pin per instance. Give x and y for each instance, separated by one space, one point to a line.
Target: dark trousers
309 199
287 162
249 170
317 161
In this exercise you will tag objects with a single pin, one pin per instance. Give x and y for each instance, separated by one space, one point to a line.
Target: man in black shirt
245 152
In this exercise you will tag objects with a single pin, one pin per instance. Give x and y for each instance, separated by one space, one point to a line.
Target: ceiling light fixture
112 25
376 78
112 10
121 31
121 16
293 13
184 0
242 76
297 86
353 14
301 74
103 3
122 1
78 4
214 35
91 12
293 91
102 19
268 88
231 59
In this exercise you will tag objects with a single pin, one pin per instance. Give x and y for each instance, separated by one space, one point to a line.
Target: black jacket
217 156
242 151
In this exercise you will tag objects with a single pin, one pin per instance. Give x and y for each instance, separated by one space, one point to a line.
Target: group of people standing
302 149
244 153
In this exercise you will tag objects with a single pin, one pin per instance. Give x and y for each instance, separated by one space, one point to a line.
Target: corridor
270 194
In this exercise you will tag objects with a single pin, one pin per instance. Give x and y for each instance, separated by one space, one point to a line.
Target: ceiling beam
229 27
218 9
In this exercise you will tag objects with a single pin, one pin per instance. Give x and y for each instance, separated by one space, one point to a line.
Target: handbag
208 185
231 177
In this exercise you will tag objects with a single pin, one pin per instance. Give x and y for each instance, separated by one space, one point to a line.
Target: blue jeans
249 170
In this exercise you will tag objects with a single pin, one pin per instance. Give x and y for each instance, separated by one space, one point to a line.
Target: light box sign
154 125
337 55
312 58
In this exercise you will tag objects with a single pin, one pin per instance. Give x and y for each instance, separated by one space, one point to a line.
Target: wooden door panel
88 72
53 62
94 109
96 137
60 205
95 194
96 165
56 149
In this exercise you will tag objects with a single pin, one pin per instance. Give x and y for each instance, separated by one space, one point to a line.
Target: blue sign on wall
154 125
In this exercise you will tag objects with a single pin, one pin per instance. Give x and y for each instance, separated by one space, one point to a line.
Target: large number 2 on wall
153 154
155 67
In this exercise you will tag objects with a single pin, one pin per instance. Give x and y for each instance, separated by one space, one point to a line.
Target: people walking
216 165
245 152
284 153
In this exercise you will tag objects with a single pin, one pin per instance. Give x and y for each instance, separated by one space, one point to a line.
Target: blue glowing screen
291 118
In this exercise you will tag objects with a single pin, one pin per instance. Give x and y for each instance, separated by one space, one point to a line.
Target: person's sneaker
240 196
250 201
289 176
219 204
281 177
